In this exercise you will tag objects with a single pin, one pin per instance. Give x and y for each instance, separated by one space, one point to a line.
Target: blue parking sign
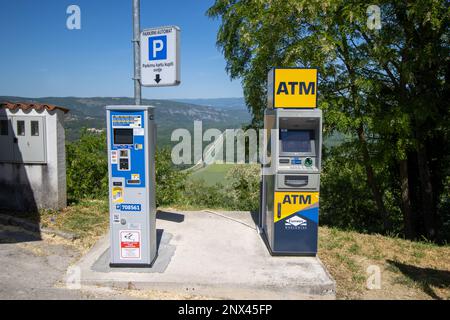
157 48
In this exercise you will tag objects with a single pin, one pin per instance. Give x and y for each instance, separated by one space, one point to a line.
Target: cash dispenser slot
295 181
298 181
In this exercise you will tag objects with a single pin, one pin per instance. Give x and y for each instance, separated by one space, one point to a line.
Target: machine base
133 265
281 253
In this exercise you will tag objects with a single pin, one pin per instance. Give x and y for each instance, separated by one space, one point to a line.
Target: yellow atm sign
292 88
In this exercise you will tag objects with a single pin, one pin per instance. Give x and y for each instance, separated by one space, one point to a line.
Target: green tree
87 171
386 87
87 167
244 187
170 182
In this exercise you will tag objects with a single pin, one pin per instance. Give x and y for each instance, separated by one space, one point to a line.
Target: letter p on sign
157 48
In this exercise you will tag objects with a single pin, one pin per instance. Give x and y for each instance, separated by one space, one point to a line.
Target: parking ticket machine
131 135
289 210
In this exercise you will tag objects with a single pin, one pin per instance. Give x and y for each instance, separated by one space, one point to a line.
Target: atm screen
295 140
123 136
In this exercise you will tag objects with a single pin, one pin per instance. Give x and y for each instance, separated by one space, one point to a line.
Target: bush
87 167
241 194
170 182
244 189
87 171
199 195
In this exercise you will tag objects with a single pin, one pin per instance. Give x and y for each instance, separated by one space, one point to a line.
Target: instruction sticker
114 157
116 218
117 194
135 226
126 121
138 132
130 244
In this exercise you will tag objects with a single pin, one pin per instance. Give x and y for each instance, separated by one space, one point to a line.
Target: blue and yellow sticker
287 204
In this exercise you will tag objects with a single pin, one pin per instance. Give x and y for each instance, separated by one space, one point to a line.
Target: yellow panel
295 88
292 202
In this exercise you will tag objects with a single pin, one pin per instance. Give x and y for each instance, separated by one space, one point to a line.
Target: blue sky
40 57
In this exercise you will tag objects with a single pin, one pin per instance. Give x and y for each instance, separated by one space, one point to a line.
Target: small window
3 127
20 127
35 128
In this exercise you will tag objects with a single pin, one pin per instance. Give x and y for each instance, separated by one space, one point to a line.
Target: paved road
32 268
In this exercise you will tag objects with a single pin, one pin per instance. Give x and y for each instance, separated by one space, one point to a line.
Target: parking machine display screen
123 136
295 140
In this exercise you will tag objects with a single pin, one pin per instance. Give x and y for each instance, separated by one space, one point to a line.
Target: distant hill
170 115
222 103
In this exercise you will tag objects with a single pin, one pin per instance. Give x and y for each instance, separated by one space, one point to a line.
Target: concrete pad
214 254
165 253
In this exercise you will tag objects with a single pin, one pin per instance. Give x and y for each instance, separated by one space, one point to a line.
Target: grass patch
409 270
212 174
89 219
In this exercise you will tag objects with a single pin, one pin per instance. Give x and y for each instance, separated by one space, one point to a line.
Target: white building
32 157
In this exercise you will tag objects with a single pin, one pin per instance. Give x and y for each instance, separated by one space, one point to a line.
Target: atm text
292 88
292 199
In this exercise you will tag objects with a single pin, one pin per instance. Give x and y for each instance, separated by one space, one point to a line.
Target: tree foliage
87 171
388 88
87 167
170 181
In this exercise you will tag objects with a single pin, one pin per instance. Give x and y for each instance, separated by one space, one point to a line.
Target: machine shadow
425 277
17 198
170 216
167 216
255 217
159 234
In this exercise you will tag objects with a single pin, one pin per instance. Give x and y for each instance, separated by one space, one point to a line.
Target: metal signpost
131 134
136 51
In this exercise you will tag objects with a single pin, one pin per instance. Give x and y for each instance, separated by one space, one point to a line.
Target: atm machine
289 210
131 135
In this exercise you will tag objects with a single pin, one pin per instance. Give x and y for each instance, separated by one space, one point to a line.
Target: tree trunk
372 181
361 136
406 200
427 207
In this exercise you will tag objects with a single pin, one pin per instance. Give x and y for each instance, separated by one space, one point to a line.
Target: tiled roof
29 106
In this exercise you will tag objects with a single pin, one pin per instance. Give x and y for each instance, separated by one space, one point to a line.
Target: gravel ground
33 265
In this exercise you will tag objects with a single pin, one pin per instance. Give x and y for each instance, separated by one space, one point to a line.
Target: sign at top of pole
160 56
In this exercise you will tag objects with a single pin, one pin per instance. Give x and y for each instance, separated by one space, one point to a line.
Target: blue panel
311 214
129 207
129 119
157 48
297 237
